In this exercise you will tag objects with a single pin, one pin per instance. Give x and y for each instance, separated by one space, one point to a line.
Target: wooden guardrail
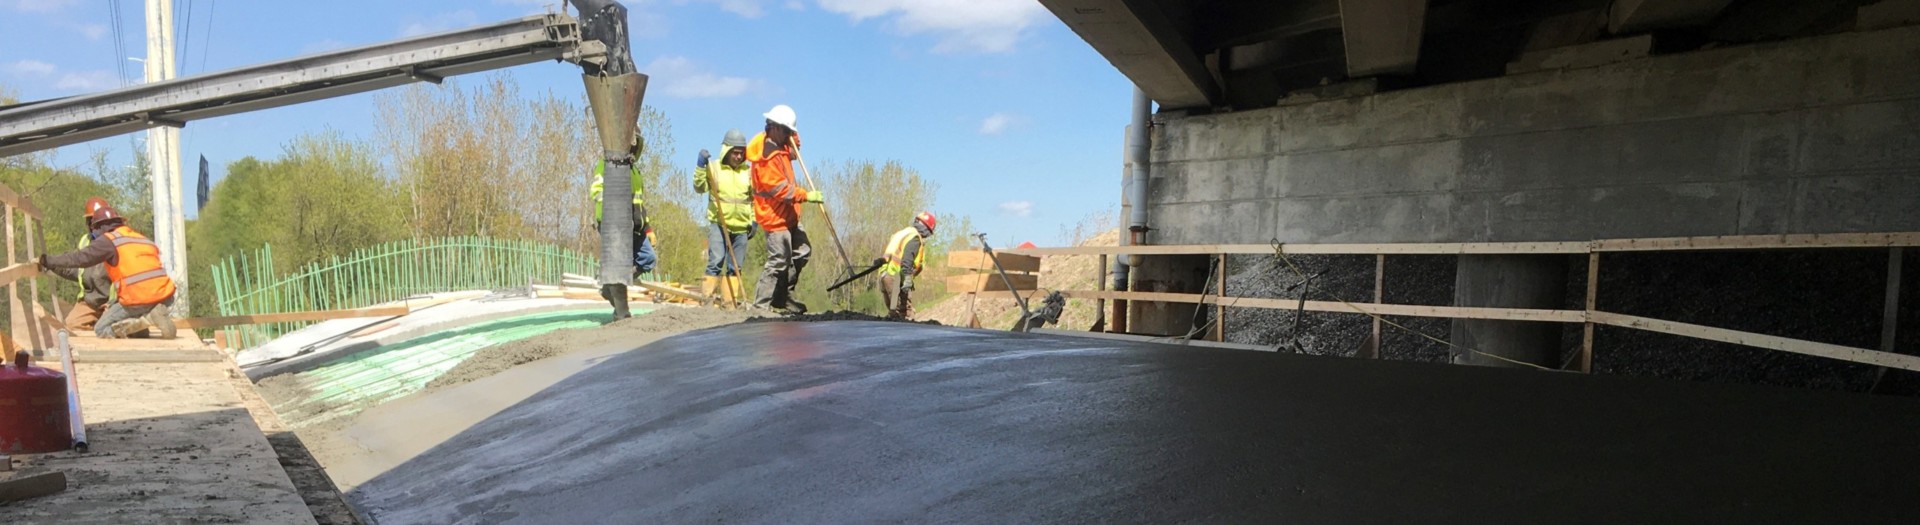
1589 317
25 323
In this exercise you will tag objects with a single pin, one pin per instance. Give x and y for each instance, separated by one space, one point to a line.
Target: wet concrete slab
844 422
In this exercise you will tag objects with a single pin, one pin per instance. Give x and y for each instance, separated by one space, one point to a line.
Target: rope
1279 249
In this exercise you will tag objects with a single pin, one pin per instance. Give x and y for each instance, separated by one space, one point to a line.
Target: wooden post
1219 307
1593 292
1372 350
1890 313
42 339
1890 316
17 314
1100 283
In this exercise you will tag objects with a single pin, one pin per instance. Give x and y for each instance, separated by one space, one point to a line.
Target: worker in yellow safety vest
728 183
643 256
906 257
96 290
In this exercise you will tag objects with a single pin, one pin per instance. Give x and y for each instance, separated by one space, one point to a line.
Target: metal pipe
1135 190
77 421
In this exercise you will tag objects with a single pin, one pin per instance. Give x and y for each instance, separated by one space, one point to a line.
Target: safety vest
136 272
599 182
731 190
896 251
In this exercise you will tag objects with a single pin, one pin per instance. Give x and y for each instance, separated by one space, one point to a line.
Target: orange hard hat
93 204
104 214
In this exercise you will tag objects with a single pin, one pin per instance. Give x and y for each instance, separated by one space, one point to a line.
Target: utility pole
163 157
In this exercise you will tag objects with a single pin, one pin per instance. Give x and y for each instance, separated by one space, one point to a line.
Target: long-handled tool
877 263
845 262
1029 319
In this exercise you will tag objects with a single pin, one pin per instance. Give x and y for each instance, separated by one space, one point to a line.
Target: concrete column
1509 281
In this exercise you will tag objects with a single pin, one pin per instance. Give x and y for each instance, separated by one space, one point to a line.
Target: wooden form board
1784 344
1725 242
290 317
980 261
991 282
10 198
1832 351
1406 310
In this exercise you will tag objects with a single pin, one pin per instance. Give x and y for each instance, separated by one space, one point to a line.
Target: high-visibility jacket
136 272
904 252
594 190
776 196
732 191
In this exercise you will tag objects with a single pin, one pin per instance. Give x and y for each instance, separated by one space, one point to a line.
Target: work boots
706 287
162 317
127 328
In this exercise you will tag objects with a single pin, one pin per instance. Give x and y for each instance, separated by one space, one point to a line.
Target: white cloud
96 80
680 77
746 8
93 32
36 6
796 5
322 46
998 123
441 22
30 67
1017 208
988 26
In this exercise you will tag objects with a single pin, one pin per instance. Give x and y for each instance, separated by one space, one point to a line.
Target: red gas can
33 409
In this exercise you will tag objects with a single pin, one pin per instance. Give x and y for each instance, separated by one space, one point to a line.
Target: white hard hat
782 115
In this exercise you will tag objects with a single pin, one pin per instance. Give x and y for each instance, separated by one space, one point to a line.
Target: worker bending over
143 292
643 258
96 289
728 183
906 257
776 206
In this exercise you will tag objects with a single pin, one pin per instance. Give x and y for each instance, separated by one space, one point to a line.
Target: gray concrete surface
1811 135
843 422
1508 281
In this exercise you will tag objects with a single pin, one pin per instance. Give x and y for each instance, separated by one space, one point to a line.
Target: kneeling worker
96 290
144 292
906 256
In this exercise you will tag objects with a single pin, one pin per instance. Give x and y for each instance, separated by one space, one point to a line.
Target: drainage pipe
1135 188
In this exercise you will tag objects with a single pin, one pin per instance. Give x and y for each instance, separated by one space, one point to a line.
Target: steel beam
49 124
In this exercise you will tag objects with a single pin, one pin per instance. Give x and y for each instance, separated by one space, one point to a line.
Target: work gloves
704 159
816 197
42 262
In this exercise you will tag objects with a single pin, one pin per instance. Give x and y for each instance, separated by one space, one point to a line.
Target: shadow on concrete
886 422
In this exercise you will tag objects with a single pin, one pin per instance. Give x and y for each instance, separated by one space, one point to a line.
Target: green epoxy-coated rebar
251 283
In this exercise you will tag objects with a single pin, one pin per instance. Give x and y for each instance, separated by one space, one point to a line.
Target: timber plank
991 282
979 261
317 315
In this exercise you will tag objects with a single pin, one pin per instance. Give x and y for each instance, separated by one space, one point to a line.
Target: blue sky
1016 118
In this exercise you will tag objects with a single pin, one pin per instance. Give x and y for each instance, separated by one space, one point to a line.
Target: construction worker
96 289
905 258
143 292
728 183
643 256
776 206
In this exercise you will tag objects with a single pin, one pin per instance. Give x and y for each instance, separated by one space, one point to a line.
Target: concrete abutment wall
1815 135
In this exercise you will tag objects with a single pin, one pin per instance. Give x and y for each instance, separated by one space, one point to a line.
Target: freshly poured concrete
859 422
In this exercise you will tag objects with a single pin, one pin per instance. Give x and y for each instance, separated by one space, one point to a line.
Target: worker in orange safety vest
144 292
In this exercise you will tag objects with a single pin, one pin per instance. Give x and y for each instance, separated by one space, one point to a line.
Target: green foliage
323 197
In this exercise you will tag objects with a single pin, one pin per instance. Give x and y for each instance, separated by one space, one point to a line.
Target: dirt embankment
997 310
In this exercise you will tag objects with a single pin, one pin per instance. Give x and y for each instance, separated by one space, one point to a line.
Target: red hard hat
93 204
104 214
925 217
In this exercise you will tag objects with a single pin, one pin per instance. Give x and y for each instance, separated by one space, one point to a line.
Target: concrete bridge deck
842 422
174 438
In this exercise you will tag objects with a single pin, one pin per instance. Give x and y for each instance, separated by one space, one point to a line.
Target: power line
206 42
186 35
